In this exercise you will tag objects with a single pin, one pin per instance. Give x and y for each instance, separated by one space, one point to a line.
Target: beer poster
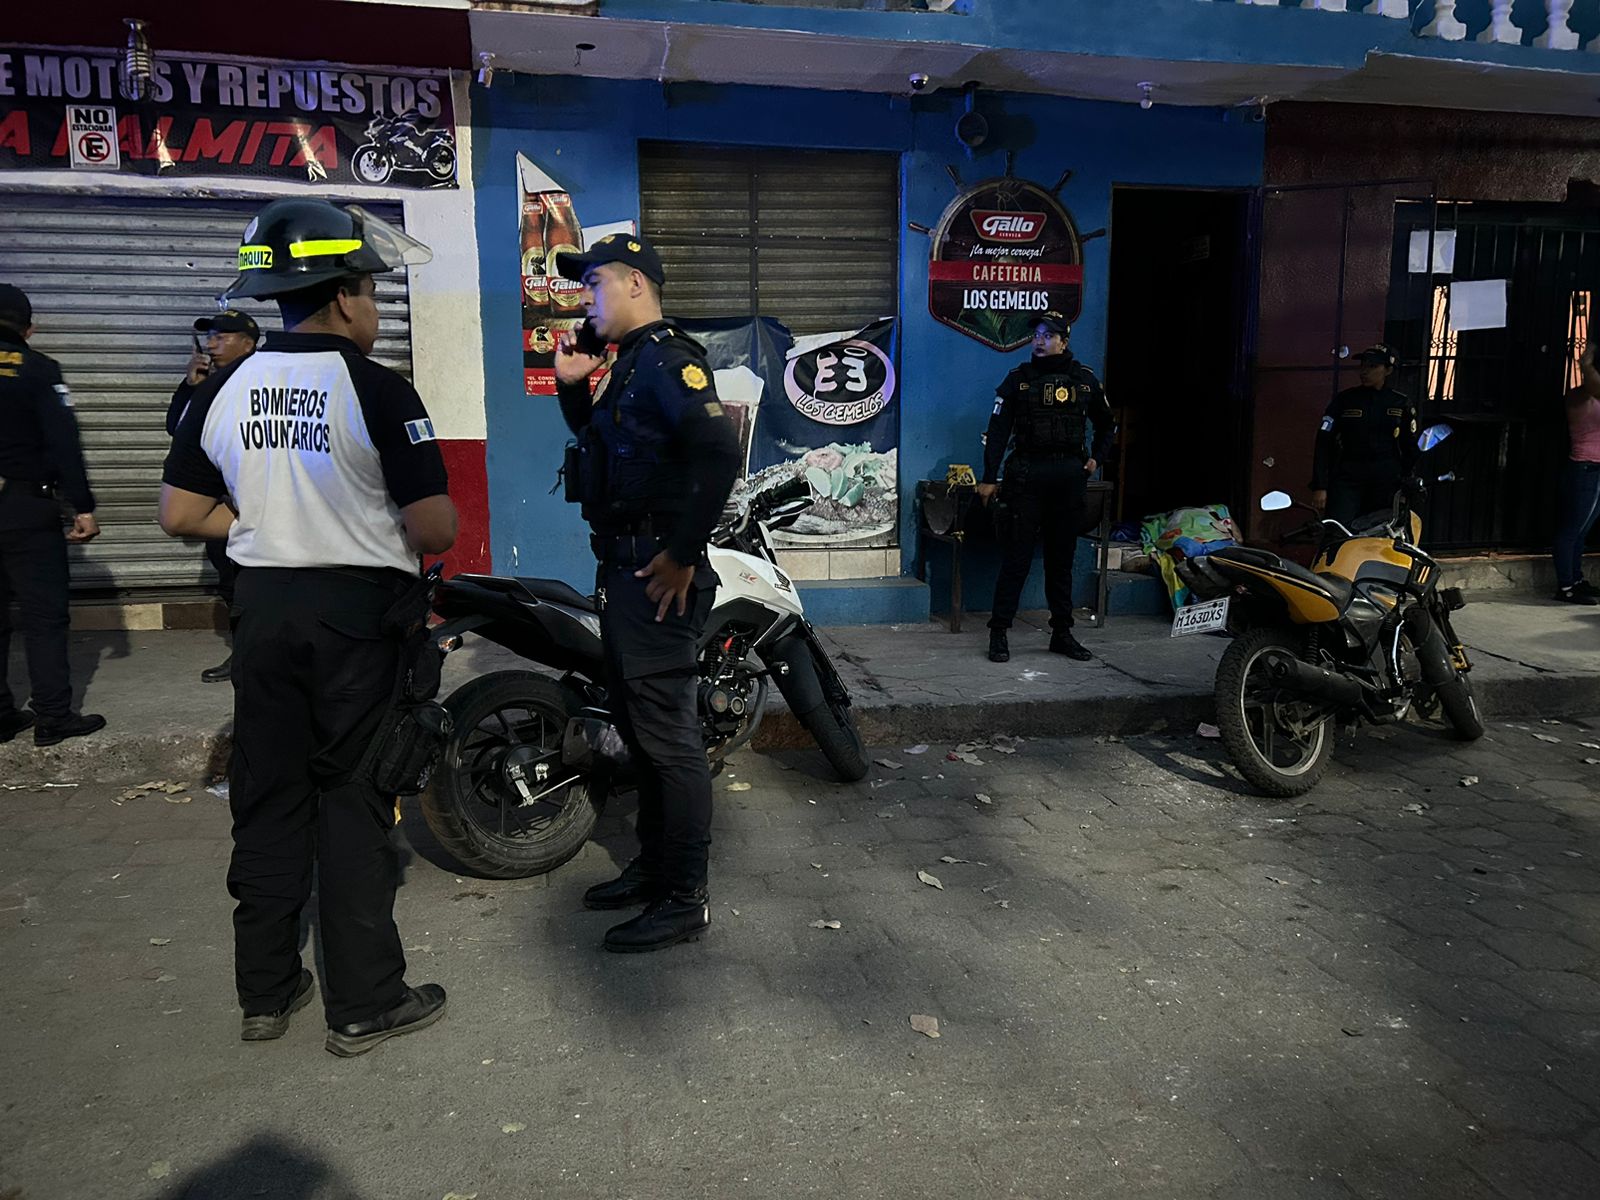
549 225
209 115
1004 251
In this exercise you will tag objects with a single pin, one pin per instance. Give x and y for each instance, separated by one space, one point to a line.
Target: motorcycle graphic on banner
405 143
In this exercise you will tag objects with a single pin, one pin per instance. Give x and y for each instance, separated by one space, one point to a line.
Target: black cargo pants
312 678
653 682
1043 500
33 572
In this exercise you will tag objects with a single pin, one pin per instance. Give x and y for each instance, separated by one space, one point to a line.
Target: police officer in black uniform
1045 405
655 460
1366 444
338 483
40 460
230 335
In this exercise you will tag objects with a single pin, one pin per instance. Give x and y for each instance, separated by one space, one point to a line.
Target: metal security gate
116 286
1500 388
810 238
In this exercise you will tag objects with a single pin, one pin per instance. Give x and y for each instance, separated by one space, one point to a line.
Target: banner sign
824 408
1004 251
210 115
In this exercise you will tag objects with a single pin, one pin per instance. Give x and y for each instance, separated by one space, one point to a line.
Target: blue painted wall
586 132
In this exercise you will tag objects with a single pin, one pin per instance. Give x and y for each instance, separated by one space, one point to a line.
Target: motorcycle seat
1336 590
556 592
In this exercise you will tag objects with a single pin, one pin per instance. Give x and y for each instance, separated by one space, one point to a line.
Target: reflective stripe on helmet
315 249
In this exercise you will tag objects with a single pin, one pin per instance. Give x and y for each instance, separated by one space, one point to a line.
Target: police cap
15 308
1053 321
1378 356
230 320
629 249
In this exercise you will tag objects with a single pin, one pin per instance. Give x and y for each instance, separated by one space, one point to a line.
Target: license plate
1209 617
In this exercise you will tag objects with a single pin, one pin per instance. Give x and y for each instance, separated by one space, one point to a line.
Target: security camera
918 82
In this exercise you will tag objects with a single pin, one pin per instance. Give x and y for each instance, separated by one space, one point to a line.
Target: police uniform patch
66 396
713 409
1063 395
420 431
1327 425
999 403
1354 412
694 378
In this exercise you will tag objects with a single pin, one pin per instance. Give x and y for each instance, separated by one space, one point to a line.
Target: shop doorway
1180 290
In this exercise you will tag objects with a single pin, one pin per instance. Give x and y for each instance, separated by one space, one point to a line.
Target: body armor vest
1052 418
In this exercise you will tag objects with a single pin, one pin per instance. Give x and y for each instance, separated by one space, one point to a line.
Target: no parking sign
92 137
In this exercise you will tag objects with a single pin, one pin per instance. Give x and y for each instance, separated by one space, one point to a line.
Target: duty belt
623 548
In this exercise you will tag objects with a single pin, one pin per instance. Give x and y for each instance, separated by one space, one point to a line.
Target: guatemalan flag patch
420 431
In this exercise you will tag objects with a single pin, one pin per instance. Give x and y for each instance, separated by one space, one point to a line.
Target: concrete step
1504 575
891 600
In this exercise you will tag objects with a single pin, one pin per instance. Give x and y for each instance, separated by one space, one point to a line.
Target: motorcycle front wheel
1455 694
1282 747
826 714
372 165
473 806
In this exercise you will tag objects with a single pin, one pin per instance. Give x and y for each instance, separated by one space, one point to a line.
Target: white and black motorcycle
531 755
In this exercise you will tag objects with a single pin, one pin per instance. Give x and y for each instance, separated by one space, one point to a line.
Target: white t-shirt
319 446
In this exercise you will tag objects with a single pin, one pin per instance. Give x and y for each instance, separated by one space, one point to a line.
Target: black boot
267 1027
1062 642
53 730
14 723
221 673
999 647
418 1008
673 918
636 885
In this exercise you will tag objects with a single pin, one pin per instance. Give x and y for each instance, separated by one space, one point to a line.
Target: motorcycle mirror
1276 501
1432 436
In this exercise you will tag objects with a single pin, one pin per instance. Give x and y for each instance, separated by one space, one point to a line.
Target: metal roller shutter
810 238
116 286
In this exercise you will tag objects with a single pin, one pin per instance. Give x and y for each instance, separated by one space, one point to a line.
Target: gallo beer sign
1004 252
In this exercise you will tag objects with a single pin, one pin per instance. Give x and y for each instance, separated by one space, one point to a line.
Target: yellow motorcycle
1363 635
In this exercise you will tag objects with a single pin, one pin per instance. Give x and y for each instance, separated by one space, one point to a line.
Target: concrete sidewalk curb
201 755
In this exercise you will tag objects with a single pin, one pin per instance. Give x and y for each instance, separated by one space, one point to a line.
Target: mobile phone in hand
586 341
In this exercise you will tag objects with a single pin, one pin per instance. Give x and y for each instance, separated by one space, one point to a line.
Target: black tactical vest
1051 412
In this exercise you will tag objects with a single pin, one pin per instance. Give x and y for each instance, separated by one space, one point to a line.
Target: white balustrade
1445 24
1501 27
1558 35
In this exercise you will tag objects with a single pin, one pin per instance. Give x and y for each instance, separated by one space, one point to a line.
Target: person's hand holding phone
199 365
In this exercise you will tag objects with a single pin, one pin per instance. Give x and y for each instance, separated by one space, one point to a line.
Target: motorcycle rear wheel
1283 748
475 811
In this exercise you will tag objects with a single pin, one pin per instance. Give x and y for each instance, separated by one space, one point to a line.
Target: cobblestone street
1147 981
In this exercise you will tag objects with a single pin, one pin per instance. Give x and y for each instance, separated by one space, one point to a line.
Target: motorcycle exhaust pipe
1313 683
